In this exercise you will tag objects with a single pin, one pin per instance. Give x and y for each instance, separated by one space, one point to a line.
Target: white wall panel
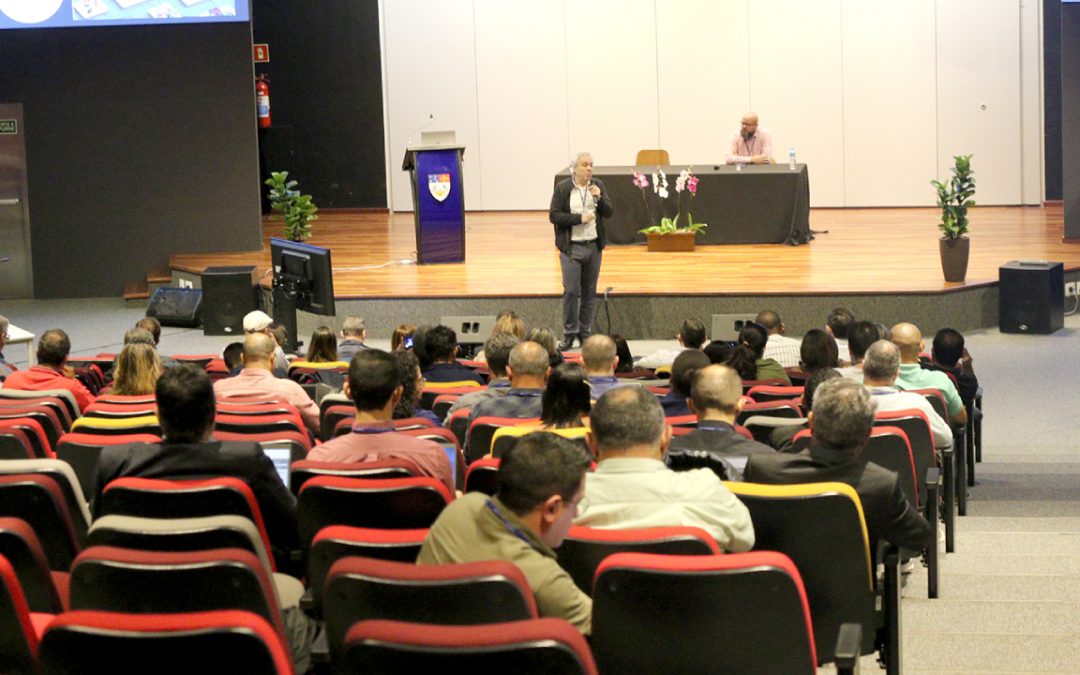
1031 99
431 69
890 117
704 76
796 87
521 87
978 83
611 78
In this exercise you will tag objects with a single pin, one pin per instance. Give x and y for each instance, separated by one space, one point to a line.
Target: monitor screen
305 270
93 13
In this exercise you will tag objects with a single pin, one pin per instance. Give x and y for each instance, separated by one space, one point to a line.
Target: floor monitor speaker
176 306
1032 296
228 294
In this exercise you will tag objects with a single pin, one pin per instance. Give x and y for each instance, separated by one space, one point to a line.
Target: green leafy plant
298 209
686 182
955 197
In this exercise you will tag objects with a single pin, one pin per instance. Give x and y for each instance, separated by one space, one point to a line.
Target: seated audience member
676 402
375 387
546 339
153 326
260 322
540 486
949 355
691 336
908 338
600 356
632 487
716 400
185 407
861 335
880 370
780 347
818 350
506 322
5 367
402 337
352 339
841 420
50 372
440 345
626 357
567 398
782 438
718 351
497 349
323 348
528 371
233 356
412 386
837 324
137 370
419 346
257 379
748 360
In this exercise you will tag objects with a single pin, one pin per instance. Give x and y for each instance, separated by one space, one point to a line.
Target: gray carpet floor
1010 593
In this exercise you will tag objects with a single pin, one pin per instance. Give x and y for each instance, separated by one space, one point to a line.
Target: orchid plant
686 182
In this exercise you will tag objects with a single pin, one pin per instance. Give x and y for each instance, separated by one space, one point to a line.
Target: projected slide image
136 10
29 12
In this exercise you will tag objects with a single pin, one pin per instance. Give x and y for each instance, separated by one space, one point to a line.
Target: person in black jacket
841 419
578 208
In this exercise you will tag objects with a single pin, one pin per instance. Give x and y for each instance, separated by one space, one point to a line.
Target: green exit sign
9 127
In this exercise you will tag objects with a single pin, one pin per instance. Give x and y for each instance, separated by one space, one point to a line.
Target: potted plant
298 209
667 235
954 199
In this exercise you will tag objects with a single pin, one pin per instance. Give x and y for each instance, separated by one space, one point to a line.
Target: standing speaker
1032 297
176 306
228 294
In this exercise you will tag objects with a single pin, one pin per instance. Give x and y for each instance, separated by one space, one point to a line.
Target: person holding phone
578 208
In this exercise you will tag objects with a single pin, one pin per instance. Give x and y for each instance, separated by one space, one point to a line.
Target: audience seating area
173 568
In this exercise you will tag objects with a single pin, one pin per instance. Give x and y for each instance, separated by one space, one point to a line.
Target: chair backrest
38 420
735 613
265 427
21 547
63 395
789 409
534 647
765 393
331 415
18 639
39 500
90 642
15 441
490 591
137 401
110 579
747 385
155 498
111 426
652 157
105 409
82 452
504 438
390 503
936 399
338 541
889 447
821 527
482 431
304 470
482 475
917 427
585 548
56 405
459 424
442 403
61 472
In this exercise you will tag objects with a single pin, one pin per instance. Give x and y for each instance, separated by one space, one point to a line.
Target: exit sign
9 127
261 53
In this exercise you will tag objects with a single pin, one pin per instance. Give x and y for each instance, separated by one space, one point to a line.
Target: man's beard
747 135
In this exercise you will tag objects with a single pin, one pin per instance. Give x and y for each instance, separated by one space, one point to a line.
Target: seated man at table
750 144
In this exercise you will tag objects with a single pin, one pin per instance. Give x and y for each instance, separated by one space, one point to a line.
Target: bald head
771 321
598 352
259 351
715 389
749 125
529 363
908 338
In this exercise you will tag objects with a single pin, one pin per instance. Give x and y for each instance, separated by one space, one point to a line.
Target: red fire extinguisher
262 101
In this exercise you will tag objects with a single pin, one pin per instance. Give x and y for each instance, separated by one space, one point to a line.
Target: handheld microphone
425 125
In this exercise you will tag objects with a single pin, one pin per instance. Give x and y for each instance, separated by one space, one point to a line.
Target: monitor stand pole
285 314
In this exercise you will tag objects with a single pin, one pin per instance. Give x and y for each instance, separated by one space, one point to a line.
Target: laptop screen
451 454
281 458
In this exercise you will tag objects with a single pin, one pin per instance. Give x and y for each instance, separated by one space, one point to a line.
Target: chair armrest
848 643
320 649
890 607
307 602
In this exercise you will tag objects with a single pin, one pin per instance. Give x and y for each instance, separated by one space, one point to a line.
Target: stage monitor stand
438 202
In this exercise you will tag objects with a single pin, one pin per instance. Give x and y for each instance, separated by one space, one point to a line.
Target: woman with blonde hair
137 370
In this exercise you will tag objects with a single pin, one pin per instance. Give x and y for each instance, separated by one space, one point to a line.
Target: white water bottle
791 158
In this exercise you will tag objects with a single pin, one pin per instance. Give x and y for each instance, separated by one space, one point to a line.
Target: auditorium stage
883 263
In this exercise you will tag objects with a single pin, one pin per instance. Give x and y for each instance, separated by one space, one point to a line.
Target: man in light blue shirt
908 339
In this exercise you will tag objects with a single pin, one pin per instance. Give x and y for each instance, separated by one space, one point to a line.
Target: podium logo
439 186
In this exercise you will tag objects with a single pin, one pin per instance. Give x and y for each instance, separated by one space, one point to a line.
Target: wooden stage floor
512 254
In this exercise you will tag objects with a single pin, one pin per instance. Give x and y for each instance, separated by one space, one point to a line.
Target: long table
761 204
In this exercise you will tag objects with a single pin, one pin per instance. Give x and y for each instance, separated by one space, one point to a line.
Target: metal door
16 273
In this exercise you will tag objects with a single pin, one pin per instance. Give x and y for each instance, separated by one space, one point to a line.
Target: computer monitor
306 271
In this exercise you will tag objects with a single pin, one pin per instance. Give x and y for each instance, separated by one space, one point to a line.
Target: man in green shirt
908 338
541 482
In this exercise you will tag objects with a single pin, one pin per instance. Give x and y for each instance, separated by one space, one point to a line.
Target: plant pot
670 241
954 257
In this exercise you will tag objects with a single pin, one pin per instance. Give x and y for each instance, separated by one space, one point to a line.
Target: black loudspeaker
228 294
1032 297
176 306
